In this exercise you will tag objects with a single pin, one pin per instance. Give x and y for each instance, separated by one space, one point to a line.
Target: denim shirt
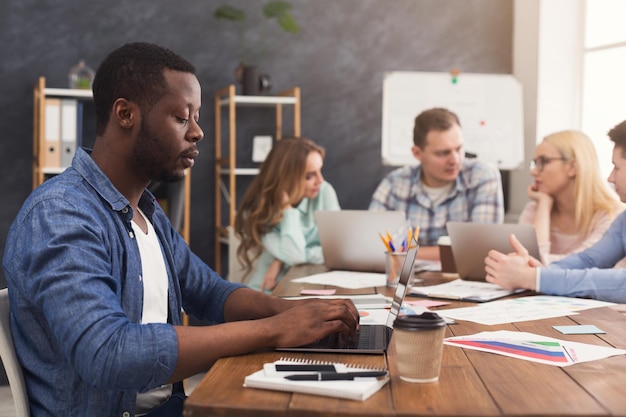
75 287
590 273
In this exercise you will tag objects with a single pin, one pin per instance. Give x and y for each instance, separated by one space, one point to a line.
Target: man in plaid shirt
444 186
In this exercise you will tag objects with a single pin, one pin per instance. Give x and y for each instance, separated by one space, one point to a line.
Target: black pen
336 376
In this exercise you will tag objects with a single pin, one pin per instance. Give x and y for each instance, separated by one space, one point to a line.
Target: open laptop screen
401 288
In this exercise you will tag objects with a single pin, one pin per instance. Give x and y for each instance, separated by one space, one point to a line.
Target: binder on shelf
69 130
52 133
79 123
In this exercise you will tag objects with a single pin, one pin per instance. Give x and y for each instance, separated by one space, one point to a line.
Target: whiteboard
489 107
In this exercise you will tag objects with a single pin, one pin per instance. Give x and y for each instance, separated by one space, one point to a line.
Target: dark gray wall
338 60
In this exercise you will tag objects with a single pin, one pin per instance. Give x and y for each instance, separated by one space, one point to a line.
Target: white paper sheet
346 279
463 290
361 301
522 309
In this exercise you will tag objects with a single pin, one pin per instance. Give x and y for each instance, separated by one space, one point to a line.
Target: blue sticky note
579 329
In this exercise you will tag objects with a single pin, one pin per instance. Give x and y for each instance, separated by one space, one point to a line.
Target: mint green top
295 239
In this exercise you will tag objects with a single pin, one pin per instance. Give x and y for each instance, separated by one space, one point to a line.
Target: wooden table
471 383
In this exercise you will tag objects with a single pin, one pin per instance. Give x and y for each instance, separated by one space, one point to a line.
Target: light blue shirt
295 239
75 286
590 273
477 197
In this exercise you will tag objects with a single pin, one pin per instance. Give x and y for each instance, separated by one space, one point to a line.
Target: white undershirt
154 275
438 194
155 302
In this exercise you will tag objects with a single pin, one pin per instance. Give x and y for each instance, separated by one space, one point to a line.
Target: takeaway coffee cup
393 267
448 267
418 341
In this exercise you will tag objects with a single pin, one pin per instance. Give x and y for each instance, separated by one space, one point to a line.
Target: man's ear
124 113
417 152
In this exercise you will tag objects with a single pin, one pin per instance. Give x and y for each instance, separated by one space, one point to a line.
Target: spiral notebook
272 377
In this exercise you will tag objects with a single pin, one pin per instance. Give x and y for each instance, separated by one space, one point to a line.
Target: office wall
338 60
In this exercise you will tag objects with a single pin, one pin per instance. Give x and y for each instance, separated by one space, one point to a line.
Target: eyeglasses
539 163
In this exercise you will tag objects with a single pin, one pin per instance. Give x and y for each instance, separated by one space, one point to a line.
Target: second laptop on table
350 241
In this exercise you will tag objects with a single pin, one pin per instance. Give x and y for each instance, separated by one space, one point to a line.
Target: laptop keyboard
369 337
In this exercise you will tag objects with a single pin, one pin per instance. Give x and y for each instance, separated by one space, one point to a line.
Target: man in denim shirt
97 275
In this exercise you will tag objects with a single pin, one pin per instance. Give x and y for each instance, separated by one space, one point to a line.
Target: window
604 74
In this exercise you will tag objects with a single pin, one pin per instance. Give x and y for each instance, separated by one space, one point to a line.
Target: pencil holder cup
418 341
393 266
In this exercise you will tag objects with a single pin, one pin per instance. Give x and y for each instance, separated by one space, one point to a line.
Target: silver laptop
350 241
372 338
471 242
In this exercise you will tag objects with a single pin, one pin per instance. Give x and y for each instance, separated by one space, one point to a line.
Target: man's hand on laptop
313 319
513 270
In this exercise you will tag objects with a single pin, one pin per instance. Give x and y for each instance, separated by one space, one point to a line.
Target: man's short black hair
134 72
618 136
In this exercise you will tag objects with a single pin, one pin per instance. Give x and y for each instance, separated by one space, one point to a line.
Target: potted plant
247 72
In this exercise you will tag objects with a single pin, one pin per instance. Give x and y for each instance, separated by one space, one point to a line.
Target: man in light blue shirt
444 186
585 274
80 278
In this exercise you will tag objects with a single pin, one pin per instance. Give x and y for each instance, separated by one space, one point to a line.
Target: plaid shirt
476 198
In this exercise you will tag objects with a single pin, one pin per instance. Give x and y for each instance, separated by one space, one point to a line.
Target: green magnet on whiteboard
454 73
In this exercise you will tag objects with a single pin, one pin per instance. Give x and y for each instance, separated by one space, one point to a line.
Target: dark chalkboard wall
338 60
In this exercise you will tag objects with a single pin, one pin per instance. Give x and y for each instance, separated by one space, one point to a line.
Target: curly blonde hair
261 208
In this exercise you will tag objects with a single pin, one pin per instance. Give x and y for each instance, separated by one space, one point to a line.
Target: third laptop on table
471 242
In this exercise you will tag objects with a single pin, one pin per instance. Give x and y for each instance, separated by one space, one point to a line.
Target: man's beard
152 158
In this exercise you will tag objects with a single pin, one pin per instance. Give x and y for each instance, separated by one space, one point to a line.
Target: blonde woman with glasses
571 204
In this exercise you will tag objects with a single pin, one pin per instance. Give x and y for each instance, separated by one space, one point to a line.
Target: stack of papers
346 279
272 377
522 309
464 290
361 301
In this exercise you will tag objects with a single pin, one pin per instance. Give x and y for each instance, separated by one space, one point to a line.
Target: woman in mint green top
275 221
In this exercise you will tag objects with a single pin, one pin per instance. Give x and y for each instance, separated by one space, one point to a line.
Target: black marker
306 367
336 376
